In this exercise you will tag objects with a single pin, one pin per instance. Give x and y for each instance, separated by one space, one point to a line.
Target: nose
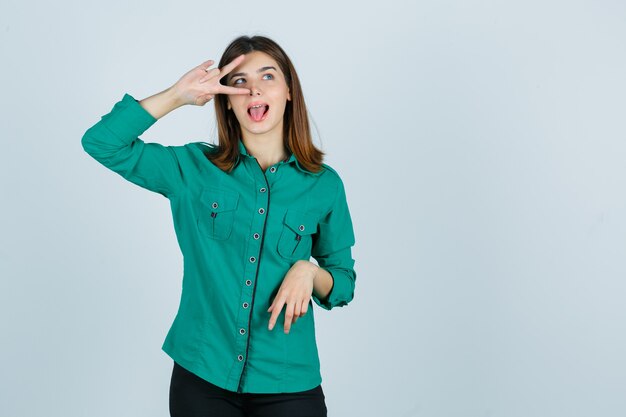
254 90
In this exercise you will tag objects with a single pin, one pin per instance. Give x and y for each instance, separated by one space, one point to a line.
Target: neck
267 152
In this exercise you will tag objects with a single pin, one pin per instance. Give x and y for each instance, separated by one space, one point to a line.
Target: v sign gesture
199 86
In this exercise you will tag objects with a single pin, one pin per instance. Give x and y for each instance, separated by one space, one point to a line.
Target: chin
258 131
259 127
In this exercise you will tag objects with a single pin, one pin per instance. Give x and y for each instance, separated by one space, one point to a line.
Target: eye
264 75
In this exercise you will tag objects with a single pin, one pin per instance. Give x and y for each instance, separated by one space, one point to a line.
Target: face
262 75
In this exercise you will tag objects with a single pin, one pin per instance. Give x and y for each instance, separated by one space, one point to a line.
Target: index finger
223 89
275 313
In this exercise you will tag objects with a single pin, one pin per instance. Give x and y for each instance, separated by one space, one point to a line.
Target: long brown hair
296 131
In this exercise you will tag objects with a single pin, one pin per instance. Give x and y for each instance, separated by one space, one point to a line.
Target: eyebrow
259 70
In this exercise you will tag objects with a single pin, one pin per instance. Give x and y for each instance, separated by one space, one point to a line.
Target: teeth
257 106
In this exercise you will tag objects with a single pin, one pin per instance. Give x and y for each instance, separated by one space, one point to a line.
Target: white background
482 148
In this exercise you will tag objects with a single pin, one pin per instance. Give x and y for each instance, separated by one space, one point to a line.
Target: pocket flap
218 199
301 222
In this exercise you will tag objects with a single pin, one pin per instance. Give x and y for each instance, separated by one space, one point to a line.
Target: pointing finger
275 312
233 90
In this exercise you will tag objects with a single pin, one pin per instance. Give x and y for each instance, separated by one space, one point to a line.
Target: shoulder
203 147
331 182
332 176
196 151
192 156
194 147
333 171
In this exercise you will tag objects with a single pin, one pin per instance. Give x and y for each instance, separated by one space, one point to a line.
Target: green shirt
239 234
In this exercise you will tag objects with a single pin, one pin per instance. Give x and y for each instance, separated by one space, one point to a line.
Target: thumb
205 99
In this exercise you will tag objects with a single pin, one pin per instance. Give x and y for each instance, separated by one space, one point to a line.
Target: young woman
249 213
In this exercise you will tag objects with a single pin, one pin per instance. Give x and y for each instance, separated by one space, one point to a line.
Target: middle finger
232 64
289 316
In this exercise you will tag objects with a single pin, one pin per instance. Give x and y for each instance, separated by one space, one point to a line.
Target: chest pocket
296 236
217 212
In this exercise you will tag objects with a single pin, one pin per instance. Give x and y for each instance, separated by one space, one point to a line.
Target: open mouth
258 113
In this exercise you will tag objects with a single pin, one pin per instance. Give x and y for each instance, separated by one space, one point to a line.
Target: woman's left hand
295 291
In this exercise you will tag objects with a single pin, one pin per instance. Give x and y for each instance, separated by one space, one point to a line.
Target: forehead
255 60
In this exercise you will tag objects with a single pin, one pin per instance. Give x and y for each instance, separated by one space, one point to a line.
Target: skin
295 291
262 139
196 87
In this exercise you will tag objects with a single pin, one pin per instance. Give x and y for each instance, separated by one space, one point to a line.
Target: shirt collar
291 158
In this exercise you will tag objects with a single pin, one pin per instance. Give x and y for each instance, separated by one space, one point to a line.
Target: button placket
251 269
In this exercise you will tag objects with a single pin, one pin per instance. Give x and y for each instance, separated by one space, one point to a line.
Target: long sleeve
114 142
332 249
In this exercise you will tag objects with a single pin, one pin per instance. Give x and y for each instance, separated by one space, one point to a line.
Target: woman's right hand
198 87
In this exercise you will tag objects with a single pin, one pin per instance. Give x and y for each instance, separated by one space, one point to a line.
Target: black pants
192 396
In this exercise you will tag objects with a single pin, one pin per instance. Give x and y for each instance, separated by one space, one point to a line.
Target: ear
288 95
228 104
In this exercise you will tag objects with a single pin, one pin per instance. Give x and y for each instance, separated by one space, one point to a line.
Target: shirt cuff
129 119
340 293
